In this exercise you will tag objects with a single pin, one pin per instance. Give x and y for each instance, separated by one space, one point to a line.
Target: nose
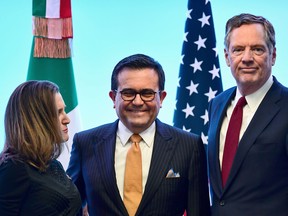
247 55
138 100
66 119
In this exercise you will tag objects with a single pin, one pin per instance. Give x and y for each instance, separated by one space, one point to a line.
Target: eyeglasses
146 95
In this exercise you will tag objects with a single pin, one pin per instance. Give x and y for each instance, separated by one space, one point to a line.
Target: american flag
199 75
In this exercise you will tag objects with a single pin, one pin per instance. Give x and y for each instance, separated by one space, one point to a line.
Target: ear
226 54
274 56
162 97
112 95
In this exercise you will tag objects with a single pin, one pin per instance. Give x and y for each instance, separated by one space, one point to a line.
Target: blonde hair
32 126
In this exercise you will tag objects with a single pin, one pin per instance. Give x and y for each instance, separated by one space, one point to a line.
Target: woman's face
63 117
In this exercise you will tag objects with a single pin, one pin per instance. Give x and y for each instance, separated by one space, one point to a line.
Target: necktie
133 176
232 139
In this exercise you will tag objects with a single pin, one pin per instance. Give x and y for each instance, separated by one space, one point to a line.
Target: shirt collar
124 134
254 99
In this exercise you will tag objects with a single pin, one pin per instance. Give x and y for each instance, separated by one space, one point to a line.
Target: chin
65 137
139 124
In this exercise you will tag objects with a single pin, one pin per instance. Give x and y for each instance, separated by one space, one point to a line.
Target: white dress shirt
253 102
122 146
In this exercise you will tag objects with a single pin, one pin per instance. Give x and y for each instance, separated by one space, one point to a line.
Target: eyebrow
62 108
131 89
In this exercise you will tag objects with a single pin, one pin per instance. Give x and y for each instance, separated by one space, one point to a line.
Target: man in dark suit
174 177
257 183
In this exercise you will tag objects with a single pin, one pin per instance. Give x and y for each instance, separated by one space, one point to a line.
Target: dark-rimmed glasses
146 95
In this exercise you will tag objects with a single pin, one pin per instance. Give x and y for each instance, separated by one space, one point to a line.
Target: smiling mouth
136 111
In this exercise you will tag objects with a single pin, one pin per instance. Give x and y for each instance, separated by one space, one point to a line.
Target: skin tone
137 115
63 117
249 58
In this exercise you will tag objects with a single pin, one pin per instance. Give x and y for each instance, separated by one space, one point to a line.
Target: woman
32 181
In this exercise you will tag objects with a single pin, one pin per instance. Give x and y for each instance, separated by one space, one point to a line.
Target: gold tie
133 176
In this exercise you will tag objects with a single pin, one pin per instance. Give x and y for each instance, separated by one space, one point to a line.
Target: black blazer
92 170
258 182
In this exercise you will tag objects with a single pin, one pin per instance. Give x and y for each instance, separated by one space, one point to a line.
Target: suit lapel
104 155
163 149
263 116
218 115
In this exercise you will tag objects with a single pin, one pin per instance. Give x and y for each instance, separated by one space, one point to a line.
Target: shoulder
57 164
101 130
13 175
171 131
221 99
278 85
225 95
11 166
181 140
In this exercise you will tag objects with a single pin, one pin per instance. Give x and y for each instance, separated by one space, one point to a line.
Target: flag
50 58
199 74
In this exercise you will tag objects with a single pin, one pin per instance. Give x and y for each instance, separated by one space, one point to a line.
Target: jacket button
222 203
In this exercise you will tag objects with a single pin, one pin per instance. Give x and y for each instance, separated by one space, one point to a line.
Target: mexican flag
50 58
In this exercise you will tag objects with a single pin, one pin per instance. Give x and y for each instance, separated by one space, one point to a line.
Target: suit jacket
258 181
92 170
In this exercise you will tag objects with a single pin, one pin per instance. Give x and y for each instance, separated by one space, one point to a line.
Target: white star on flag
188 130
215 72
181 60
204 20
188 110
192 88
179 82
200 42
211 94
204 138
206 2
216 51
189 14
185 36
196 65
205 117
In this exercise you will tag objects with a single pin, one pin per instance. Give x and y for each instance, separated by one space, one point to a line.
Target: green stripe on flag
39 8
57 70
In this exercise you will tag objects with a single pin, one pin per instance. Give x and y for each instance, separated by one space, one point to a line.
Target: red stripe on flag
65 9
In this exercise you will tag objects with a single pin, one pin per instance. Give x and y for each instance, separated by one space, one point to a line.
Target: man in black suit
174 177
257 183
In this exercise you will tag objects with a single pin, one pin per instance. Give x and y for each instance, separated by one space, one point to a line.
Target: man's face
249 58
137 115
